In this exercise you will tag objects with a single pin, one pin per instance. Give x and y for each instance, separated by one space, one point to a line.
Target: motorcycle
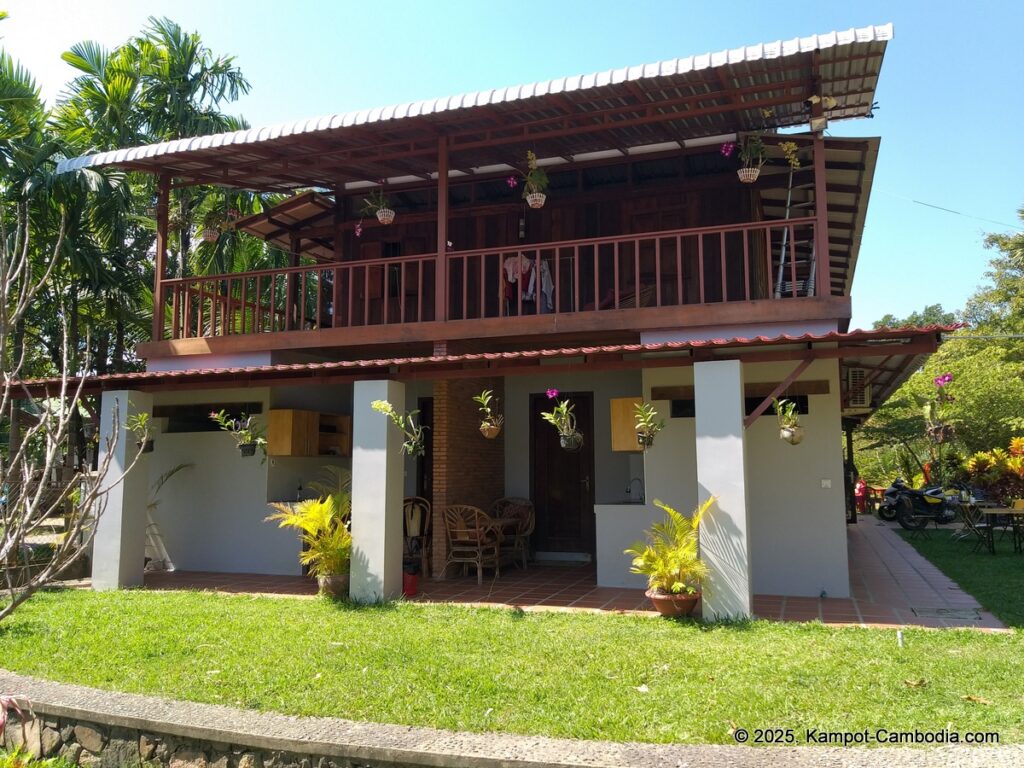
913 509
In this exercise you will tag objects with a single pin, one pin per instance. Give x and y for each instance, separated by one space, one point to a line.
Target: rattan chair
473 539
417 519
517 535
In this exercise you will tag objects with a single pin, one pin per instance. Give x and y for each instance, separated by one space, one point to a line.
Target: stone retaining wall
93 744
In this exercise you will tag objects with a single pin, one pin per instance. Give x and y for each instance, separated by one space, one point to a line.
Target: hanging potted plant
377 204
647 424
789 421
561 417
326 538
752 155
139 425
490 424
535 182
247 433
670 559
413 445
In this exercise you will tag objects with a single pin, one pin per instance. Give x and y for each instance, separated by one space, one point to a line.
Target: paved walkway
363 743
891 584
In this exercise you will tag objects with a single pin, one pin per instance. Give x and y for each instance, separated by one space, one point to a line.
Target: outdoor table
1016 515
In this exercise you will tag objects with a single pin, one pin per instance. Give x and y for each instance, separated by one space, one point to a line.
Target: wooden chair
417 519
473 538
517 536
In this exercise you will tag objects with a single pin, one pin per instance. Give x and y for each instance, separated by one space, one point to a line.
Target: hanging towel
547 286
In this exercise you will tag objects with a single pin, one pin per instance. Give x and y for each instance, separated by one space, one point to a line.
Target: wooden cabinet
293 432
623 411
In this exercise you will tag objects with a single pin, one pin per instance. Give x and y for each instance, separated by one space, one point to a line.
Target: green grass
21 760
569 675
996 581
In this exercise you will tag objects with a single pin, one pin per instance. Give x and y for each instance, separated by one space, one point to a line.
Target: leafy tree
987 364
933 314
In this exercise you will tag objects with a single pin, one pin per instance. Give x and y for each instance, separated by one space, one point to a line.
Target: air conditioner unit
858 392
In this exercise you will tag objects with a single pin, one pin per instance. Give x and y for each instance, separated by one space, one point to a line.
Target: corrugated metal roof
598 82
256 373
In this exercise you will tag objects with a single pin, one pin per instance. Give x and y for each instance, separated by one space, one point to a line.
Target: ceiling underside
680 101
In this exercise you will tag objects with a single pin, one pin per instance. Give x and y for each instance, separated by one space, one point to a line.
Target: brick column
468 468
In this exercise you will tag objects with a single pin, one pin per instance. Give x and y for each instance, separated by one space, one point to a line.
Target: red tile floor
892 585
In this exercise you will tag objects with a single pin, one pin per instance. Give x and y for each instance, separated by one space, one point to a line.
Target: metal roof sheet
255 373
598 82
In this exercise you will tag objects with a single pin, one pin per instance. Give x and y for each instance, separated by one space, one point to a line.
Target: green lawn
997 582
572 675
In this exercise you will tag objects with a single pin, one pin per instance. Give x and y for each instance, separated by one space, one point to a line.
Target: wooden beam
163 194
753 389
441 263
793 376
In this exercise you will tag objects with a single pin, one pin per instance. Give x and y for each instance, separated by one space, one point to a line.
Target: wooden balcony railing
742 262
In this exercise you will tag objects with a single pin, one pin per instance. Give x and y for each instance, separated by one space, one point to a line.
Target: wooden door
562 482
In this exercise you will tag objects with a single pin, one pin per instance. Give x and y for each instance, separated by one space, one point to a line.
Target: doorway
562 482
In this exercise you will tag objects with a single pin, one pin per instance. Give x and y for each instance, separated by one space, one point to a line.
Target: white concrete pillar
721 472
119 548
377 484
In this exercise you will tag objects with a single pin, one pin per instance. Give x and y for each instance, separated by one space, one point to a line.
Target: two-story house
651 271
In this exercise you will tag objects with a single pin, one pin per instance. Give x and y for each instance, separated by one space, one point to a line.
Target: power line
950 210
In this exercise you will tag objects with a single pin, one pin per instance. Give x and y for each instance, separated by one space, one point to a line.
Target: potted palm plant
647 424
247 433
490 424
670 559
562 418
413 445
789 421
323 525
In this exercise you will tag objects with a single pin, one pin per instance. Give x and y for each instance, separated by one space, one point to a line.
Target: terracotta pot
335 586
410 584
673 605
748 175
571 442
490 431
385 215
536 199
247 449
792 435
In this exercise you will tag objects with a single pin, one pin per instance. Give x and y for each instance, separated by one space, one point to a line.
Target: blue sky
950 109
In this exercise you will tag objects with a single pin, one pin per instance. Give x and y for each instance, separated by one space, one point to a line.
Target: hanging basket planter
644 441
247 449
490 431
792 435
571 441
145 447
536 199
385 215
211 235
748 175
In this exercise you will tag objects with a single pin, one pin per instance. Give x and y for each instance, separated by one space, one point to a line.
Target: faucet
629 488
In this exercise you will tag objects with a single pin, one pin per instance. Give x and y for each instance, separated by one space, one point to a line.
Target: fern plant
670 557
326 539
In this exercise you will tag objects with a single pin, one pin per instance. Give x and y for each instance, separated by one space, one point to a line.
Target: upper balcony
609 262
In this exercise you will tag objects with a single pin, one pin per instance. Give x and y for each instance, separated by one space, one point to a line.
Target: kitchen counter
618 526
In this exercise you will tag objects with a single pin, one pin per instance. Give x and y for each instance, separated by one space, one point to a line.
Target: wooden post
339 218
163 194
441 265
823 276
